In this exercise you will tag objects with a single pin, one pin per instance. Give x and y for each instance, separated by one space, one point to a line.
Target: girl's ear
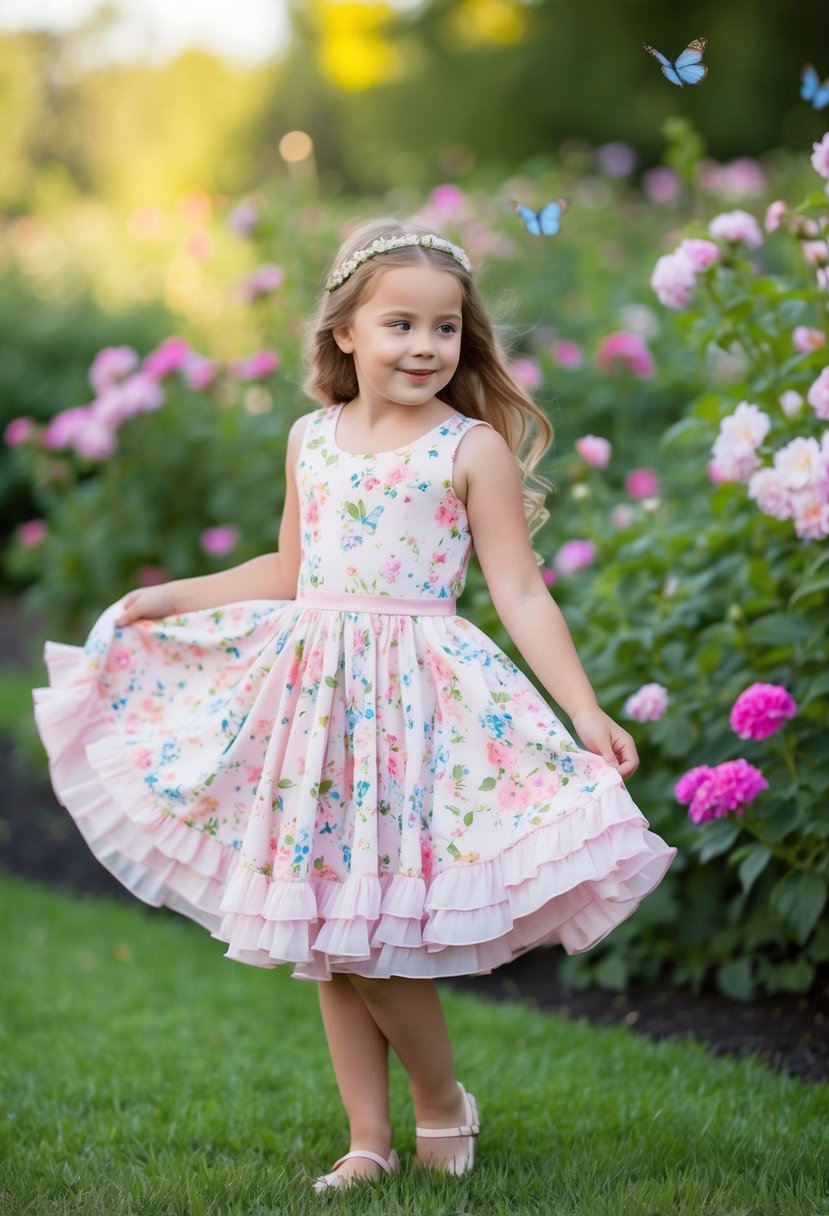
342 336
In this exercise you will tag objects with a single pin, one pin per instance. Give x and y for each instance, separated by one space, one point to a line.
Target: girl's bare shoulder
482 455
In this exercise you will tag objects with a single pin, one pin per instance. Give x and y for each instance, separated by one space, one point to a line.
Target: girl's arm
487 474
271 576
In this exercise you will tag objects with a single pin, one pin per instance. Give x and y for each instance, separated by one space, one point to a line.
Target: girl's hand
148 603
600 734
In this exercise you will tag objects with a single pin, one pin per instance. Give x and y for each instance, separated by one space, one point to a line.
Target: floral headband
386 244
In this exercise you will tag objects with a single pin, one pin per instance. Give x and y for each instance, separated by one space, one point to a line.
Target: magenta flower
627 351
447 201
64 426
110 365
807 340
200 372
774 214
549 576
167 358
19 430
574 555
818 395
32 533
673 280
268 278
648 704
642 483
762 710
527 373
595 450
714 792
737 227
220 540
567 354
255 367
820 157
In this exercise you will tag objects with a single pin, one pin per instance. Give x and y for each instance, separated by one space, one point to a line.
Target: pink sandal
336 1181
463 1163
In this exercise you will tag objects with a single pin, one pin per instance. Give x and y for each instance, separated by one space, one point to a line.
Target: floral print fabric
358 779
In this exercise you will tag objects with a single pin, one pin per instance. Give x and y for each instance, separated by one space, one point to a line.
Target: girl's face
405 336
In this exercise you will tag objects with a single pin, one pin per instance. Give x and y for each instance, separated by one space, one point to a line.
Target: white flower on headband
386 244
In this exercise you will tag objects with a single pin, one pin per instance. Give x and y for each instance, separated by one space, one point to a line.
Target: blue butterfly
812 90
687 68
544 222
357 522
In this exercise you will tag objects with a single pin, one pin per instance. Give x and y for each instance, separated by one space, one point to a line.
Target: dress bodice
389 523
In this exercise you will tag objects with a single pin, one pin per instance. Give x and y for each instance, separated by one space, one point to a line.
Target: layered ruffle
569 881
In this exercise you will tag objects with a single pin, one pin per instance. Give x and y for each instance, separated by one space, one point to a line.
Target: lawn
143 1073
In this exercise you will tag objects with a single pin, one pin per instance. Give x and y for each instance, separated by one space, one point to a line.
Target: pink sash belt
389 605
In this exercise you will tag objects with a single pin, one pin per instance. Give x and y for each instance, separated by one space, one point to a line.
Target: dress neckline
388 451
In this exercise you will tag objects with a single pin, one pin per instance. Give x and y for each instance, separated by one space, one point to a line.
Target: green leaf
798 899
717 838
285 783
810 586
819 687
751 867
488 783
331 681
353 510
468 817
457 772
735 980
779 629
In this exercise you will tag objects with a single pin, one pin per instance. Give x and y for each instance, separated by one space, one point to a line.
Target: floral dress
355 780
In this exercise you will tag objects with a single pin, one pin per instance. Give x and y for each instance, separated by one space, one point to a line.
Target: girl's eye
398 324
447 328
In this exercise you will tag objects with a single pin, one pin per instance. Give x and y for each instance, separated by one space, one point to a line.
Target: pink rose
820 157
32 533
688 785
734 456
19 430
642 483
648 704
818 395
730 786
761 710
771 494
673 280
166 359
595 450
111 364
220 540
774 214
255 367
811 515
806 341
574 555
736 226
800 464
701 254
95 440
527 373
625 351
567 354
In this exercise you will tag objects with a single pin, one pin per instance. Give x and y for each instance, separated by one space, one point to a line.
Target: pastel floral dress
355 780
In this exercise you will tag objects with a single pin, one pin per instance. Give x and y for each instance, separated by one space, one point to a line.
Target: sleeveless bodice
386 524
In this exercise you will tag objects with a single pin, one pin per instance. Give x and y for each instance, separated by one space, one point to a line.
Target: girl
314 757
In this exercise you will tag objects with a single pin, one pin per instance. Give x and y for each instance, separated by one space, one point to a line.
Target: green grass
144 1073
16 713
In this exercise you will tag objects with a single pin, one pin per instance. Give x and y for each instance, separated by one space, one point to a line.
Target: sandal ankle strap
388 1166
466 1129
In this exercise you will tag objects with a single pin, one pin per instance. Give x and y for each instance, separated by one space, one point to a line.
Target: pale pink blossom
662 185
255 367
527 373
815 253
65 425
625 351
791 403
622 516
200 372
648 704
800 464
166 358
19 430
700 253
32 533
265 280
567 354
642 483
219 540
761 710
574 555
673 280
96 440
617 159
728 787
497 753
110 365
774 214
595 450
811 515
734 454
807 340
740 178
390 569
770 492
818 395
737 227
820 156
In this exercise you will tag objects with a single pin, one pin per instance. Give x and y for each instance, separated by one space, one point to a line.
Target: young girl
316 758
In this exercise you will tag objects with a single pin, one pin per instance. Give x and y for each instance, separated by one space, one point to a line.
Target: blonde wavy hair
482 386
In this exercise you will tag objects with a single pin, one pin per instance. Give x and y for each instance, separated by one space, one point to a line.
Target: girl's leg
410 1016
359 1053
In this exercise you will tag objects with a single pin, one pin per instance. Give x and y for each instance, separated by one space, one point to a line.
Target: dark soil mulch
39 840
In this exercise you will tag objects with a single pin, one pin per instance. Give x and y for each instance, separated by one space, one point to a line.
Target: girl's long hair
481 387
